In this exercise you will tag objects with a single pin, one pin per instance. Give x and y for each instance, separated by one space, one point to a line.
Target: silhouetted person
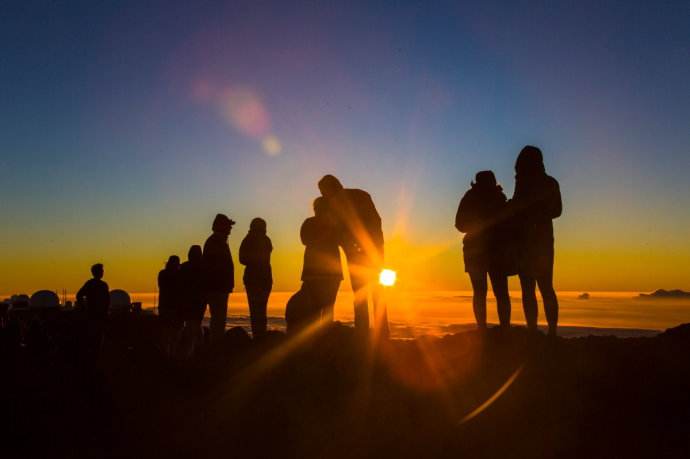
193 300
361 238
220 274
169 302
255 254
93 301
94 296
536 201
322 271
300 312
481 216
169 289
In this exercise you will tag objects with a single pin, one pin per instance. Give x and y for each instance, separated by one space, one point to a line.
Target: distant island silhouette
663 294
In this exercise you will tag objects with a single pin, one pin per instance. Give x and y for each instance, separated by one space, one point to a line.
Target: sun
387 277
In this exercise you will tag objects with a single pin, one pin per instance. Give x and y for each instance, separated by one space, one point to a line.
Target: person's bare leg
548 295
529 300
499 284
479 290
380 311
361 293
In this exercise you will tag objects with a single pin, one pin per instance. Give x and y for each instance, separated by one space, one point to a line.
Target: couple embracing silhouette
508 237
343 218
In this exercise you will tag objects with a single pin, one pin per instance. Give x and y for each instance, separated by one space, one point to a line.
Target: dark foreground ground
330 396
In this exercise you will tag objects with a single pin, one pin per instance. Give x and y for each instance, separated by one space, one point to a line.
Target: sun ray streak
474 413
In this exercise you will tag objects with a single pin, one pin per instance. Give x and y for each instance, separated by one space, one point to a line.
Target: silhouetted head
329 186
485 179
97 271
194 255
173 262
222 224
530 161
320 206
258 225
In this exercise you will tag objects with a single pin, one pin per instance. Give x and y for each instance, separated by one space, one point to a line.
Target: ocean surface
413 314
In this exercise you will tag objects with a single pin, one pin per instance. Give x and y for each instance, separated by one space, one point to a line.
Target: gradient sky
125 127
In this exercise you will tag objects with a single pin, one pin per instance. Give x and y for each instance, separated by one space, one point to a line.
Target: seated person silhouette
481 216
255 254
361 237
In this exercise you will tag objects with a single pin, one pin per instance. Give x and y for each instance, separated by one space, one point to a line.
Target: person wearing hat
219 272
536 202
481 217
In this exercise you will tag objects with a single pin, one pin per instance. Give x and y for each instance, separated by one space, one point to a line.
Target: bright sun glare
387 277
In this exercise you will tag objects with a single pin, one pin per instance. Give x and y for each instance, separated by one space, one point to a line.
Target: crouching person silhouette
255 254
321 271
481 216
536 202
219 272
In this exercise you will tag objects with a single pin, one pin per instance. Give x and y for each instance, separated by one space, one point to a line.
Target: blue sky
119 140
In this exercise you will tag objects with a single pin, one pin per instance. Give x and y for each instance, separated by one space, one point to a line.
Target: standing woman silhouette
481 217
536 202
255 255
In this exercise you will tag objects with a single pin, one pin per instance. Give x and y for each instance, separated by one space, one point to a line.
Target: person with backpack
481 216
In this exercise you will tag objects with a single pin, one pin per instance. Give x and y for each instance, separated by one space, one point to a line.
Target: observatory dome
44 299
119 299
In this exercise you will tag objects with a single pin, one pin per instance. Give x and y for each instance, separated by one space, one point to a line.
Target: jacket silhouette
486 245
219 272
218 264
322 270
536 201
255 254
94 296
481 216
321 252
357 219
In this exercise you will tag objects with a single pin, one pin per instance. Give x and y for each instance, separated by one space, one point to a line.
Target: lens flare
243 109
271 145
387 277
